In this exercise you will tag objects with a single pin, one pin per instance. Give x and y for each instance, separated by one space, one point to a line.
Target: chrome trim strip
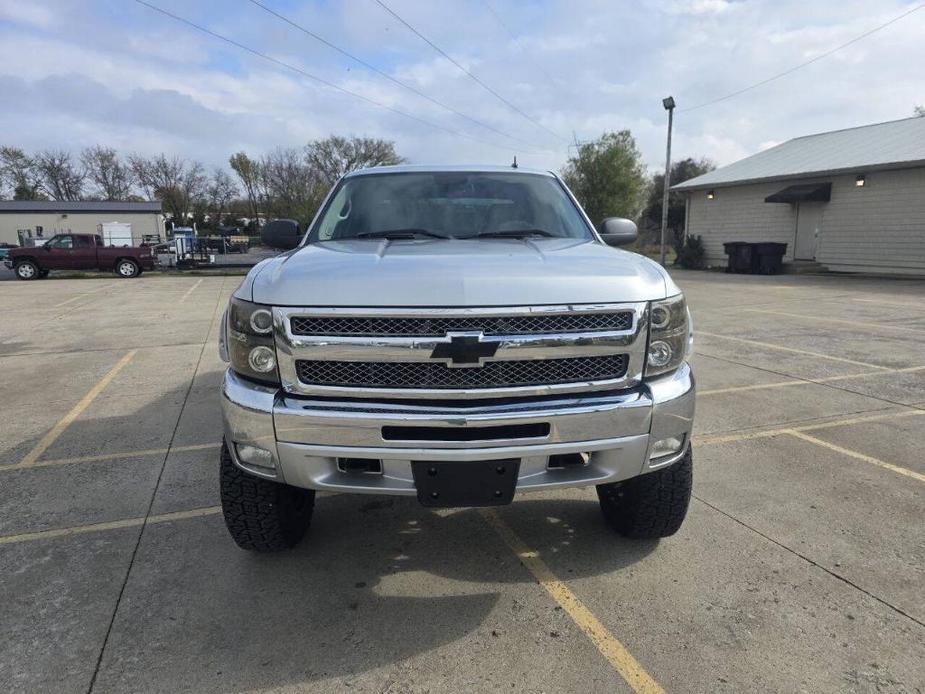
570 419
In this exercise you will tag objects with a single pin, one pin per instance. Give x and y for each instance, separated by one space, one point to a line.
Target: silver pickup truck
457 334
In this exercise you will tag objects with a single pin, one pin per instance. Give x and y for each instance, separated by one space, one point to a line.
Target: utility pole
668 103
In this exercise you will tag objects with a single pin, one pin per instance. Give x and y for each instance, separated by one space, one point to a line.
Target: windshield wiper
514 234
400 234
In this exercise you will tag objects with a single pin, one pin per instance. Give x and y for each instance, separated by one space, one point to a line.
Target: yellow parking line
794 350
122 455
859 456
619 658
826 319
109 525
190 290
705 440
56 431
81 296
805 382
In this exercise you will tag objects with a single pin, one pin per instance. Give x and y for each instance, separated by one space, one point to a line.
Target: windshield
455 205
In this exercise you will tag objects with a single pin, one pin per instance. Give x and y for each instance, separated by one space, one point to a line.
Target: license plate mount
443 484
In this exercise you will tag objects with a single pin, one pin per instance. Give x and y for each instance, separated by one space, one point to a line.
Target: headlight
669 335
249 342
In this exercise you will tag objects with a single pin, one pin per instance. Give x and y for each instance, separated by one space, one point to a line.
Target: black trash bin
740 256
767 258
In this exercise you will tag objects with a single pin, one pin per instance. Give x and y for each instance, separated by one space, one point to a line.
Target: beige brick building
851 200
21 220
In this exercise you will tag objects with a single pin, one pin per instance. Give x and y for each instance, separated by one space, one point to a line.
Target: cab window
82 242
62 241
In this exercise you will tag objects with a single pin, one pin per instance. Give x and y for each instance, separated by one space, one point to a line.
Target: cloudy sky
80 72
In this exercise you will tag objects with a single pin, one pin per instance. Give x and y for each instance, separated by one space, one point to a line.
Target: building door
809 226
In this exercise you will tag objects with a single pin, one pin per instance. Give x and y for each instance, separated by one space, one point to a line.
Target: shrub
692 255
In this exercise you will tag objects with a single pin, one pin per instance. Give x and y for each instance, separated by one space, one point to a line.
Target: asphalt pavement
800 567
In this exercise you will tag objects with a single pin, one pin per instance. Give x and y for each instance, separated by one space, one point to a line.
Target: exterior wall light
860 181
710 195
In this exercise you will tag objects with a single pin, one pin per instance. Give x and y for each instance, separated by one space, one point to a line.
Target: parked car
459 335
79 252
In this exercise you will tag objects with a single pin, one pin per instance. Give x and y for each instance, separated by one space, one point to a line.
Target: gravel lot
800 568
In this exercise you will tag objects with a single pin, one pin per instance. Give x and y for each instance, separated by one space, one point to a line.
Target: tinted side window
82 242
61 242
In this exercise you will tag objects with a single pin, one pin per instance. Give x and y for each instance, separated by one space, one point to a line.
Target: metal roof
448 168
893 145
77 206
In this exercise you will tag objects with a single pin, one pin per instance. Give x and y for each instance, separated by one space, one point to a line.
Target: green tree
248 171
607 176
652 213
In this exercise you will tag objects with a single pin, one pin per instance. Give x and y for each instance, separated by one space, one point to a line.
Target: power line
387 76
320 80
510 32
469 74
808 62
514 38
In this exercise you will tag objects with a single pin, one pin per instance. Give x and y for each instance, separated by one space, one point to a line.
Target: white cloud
26 13
145 83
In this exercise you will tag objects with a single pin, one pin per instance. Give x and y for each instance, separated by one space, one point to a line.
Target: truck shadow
377 581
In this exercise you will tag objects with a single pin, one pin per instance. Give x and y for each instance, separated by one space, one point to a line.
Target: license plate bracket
443 484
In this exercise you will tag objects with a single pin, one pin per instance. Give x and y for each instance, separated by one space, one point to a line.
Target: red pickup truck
79 252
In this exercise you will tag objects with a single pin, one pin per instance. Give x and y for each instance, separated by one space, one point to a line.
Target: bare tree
220 191
178 183
334 156
113 178
291 188
19 172
248 171
62 177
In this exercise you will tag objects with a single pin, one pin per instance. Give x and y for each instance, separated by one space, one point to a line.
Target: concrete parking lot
801 566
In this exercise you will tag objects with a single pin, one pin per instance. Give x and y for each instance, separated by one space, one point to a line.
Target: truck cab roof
460 168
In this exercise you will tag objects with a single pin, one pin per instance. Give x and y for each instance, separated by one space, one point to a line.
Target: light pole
668 103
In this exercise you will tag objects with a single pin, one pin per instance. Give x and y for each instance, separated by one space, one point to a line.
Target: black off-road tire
27 270
261 515
652 505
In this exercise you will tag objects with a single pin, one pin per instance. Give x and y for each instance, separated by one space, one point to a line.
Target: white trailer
117 234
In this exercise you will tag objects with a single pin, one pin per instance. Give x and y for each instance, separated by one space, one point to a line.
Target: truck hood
495 272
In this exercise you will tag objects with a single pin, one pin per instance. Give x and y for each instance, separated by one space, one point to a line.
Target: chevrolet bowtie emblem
464 350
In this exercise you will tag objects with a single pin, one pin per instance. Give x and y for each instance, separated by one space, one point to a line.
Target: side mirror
617 231
281 233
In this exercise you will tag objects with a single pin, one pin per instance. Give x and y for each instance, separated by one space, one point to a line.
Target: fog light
666 447
659 353
262 359
254 455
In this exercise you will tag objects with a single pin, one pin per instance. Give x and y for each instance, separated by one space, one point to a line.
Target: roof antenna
514 165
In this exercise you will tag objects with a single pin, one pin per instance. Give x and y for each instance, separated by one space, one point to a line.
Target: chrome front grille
438 326
494 374
442 353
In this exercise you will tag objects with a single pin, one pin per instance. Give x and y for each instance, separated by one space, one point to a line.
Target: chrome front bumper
307 436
